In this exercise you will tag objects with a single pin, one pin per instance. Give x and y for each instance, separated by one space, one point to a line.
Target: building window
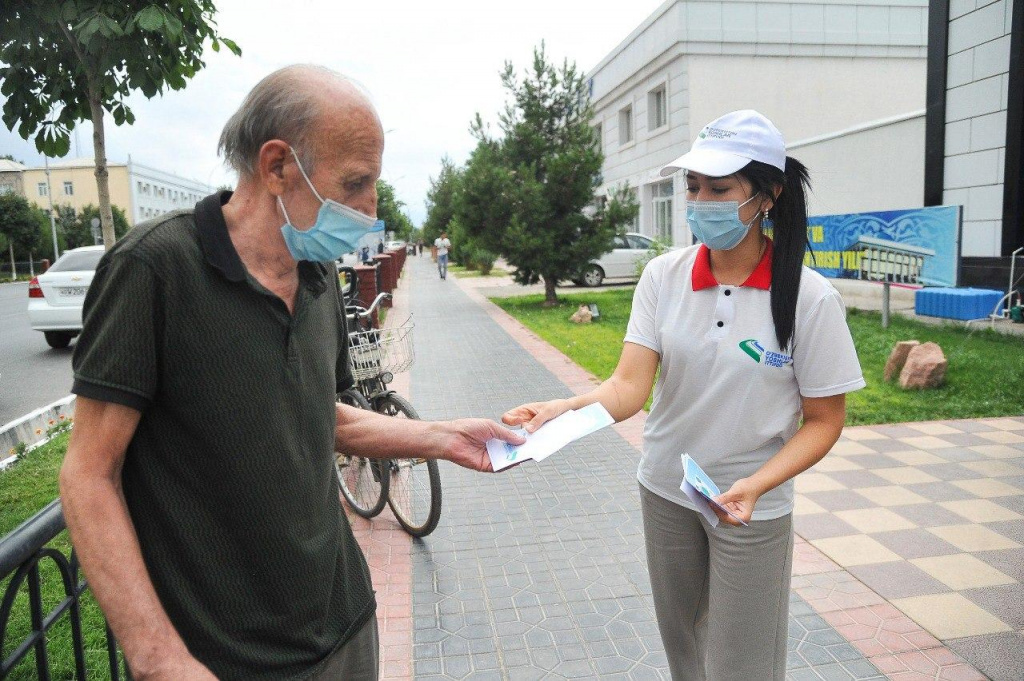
42 188
626 125
599 136
662 200
69 189
657 108
6 189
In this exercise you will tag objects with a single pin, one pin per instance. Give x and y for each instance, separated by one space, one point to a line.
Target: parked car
394 245
55 298
618 263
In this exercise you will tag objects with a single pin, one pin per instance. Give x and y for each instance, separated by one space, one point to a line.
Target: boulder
894 365
925 367
582 315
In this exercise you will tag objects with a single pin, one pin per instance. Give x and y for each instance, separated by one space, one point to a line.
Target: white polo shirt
727 394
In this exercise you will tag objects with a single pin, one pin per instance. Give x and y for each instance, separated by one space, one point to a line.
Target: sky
429 67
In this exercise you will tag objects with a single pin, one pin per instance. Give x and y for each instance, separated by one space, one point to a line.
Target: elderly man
198 487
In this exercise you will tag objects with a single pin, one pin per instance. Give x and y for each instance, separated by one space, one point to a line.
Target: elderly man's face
348 154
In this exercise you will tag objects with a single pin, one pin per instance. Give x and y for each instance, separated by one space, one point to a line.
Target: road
32 375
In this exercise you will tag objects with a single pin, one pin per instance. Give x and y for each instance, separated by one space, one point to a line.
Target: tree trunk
31 265
550 298
14 271
102 176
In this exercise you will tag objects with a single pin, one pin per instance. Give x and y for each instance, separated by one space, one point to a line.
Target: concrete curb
24 429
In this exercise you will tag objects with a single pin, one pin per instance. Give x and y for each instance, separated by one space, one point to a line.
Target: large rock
894 365
925 367
582 315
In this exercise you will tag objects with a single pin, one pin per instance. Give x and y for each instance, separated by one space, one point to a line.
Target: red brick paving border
388 551
893 642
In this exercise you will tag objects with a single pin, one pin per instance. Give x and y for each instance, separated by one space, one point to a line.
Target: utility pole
53 222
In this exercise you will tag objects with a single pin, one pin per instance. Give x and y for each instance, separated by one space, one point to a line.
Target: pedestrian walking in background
442 244
380 246
755 358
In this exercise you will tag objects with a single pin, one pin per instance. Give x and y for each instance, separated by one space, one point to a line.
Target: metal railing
21 553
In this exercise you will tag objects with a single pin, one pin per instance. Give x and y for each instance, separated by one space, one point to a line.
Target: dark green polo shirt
229 477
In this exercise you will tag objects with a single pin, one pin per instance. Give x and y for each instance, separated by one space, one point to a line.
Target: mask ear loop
281 204
304 175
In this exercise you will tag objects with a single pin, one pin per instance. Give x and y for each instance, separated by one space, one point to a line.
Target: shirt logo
756 351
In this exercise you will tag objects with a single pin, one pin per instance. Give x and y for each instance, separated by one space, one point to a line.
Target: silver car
618 263
56 297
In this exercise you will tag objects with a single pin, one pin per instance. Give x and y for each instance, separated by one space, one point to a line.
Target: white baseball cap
729 143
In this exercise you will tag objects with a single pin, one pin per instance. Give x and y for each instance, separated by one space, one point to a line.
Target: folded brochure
701 490
549 438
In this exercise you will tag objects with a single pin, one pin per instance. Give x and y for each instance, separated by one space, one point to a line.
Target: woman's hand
535 414
740 500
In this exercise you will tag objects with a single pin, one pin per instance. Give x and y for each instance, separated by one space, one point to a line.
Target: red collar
761 277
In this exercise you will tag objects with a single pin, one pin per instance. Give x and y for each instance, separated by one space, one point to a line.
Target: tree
76 228
389 209
10 157
530 194
19 225
441 200
68 61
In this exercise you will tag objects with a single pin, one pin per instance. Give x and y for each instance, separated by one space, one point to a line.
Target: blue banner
834 241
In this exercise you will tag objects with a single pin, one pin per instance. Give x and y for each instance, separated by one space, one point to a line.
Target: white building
844 80
975 129
155 192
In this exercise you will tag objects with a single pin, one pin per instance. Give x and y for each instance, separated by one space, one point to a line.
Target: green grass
460 271
985 375
25 489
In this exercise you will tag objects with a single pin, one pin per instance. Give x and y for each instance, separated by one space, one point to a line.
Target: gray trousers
357 660
721 595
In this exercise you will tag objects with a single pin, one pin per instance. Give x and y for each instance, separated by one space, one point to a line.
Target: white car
55 298
618 263
394 245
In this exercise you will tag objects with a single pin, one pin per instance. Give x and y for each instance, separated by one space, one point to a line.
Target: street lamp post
53 222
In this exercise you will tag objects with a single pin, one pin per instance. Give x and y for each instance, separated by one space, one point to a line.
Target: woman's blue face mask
337 229
717 224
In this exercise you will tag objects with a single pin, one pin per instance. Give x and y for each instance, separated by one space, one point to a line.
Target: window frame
652 110
626 113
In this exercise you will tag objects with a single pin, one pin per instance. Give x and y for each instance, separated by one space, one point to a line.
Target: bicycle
410 486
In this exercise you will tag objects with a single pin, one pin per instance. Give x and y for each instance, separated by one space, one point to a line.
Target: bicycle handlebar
364 313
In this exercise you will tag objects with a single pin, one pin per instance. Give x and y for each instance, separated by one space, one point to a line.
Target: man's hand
535 414
462 442
186 668
740 500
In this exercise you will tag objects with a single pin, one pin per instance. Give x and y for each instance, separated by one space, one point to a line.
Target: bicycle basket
371 353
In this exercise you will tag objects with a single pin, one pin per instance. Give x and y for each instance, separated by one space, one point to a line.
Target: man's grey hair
284 106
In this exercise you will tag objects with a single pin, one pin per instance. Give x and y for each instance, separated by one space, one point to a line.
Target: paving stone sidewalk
540 572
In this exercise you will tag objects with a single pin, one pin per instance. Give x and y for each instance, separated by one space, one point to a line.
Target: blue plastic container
957 303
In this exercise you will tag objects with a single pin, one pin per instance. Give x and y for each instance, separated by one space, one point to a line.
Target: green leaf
173 26
235 49
150 19
69 11
215 45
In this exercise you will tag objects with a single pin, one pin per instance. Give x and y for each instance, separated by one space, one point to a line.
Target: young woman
755 358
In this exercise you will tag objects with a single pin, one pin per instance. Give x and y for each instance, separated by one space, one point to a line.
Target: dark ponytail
789 219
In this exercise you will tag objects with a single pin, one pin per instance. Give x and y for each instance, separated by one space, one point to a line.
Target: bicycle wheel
414 491
363 484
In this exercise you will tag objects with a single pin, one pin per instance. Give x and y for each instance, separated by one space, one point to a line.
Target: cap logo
716 133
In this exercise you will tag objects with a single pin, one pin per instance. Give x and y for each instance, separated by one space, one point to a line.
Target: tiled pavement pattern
539 573
930 517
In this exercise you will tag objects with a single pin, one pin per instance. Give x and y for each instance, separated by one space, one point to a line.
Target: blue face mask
337 229
717 223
